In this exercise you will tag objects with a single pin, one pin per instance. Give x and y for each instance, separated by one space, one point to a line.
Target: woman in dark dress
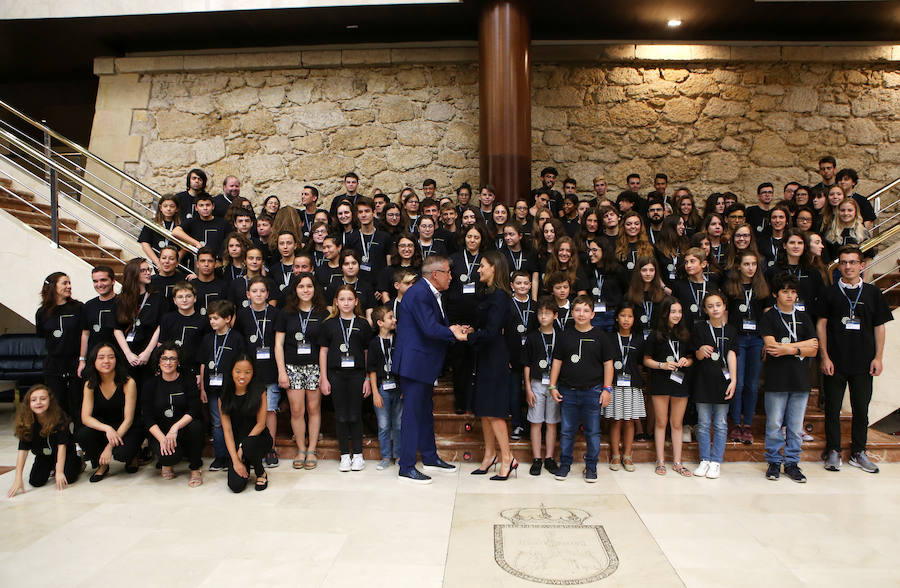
243 409
492 371
107 413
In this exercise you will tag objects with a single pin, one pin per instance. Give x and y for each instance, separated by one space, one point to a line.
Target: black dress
492 371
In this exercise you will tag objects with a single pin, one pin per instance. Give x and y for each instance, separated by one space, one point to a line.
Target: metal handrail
872 243
113 201
883 189
72 145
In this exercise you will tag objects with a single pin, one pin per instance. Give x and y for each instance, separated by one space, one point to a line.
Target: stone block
460 135
271 97
622 52
209 150
393 109
800 99
564 96
365 57
755 53
663 52
364 137
411 79
698 84
320 58
865 54
681 110
770 150
161 154
104 66
674 75
623 76
833 109
718 108
174 124
721 167
267 60
258 122
780 122
710 53
311 143
218 62
195 104
805 53
439 111
237 101
149 64
300 91
632 114
122 91
863 131
112 122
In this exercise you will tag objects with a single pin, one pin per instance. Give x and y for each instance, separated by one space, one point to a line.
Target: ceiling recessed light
674 22
352 26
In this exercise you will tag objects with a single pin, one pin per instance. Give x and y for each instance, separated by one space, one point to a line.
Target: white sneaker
344 466
715 469
383 464
702 469
357 463
686 434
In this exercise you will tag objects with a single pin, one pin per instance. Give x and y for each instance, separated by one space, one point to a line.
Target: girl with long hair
58 321
669 245
167 215
646 290
42 428
234 256
714 227
797 258
564 258
632 242
606 281
685 208
627 398
108 412
138 311
242 406
846 228
742 239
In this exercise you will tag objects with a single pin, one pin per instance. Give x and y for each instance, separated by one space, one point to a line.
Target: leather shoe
415 476
439 466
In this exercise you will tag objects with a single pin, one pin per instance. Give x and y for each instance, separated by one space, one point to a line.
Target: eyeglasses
168 359
441 271
742 236
849 262
736 216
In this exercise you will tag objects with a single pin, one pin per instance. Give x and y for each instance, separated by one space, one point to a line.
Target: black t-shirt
709 383
745 318
208 292
758 219
220 205
521 260
335 334
787 373
537 353
187 332
210 233
258 329
61 329
325 275
155 240
164 403
608 288
39 444
218 354
660 350
185 205
237 291
379 361
151 310
301 327
852 350
165 285
811 285
98 318
386 278
591 349
770 247
632 348
436 247
691 294
364 293
373 251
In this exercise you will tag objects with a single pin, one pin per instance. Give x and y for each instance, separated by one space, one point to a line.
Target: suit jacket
422 335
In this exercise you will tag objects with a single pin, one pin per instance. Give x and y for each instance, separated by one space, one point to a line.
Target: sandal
627 463
262 482
168 472
681 470
196 479
661 468
299 463
615 463
312 459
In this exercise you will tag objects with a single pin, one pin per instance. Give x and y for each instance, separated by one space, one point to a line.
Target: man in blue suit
422 340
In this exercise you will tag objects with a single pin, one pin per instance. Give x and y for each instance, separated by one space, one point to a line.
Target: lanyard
303 323
652 237
675 346
718 342
319 257
523 315
386 353
469 266
853 303
260 333
517 263
286 272
648 309
697 300
792 330
548 351
219 350
625 349
396 300
306 224
562 324
239 274
426 252
366 246
137 318
346 334
599 278
748 297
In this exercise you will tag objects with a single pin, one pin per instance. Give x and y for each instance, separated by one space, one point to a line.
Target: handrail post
47 151
54 208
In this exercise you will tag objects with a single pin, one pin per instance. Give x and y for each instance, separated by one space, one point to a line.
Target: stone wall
711 127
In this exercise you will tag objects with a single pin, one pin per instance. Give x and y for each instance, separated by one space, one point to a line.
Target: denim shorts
273 396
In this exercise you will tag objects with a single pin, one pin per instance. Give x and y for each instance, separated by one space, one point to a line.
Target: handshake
461 332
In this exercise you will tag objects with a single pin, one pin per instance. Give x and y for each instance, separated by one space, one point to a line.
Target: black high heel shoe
481 472
513 467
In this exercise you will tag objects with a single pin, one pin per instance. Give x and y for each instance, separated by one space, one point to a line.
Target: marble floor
325 528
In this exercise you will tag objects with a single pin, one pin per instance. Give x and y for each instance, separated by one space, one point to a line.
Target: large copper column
505 98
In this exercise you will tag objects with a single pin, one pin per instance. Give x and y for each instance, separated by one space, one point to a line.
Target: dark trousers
461 358
860 394
254 449
417 423
44 464
189 443
94 442
66 387
515 397
346 391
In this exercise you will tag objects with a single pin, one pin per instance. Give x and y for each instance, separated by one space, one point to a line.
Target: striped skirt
626 404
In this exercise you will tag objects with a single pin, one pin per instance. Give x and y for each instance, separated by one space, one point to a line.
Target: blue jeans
389 416
583 406
606 321
784 409
219 448
749 366
715 416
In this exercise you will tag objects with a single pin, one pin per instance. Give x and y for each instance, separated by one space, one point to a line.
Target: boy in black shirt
583 366
789 338
185 327
208 286
218 353
203 230
537 358
98 315
851 331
